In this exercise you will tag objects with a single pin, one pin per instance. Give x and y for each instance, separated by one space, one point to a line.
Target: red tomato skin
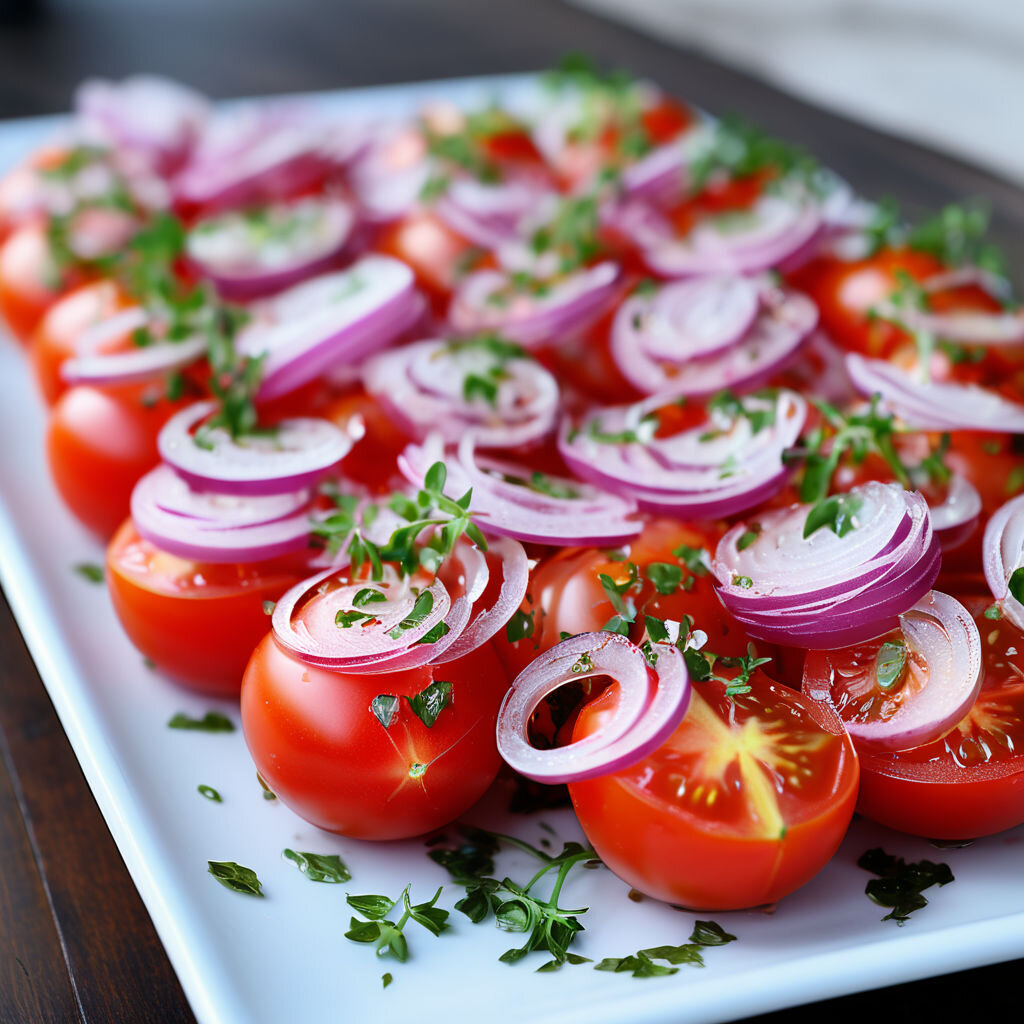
99 442
26 287
320 748
222 619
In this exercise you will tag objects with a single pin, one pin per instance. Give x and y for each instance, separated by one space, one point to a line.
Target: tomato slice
161 600
746 801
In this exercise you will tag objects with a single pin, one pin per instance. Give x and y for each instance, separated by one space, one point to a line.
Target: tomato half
320 747
746 801
970 782
99 442
198 622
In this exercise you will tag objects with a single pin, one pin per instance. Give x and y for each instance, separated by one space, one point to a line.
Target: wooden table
76 943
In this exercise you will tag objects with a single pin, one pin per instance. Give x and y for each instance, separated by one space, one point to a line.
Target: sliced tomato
745 802
321 748
161 600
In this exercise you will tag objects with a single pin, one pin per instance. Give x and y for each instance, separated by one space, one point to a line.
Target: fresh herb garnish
212 721
641 964
431 701
90 571
837 513
210 793
900 884
319 867
890 663
1015 584
519 626
236 877
389 936
384 706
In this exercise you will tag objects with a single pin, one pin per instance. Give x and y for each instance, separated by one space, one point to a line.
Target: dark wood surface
76 943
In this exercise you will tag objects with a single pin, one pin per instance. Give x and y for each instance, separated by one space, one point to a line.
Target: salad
608 446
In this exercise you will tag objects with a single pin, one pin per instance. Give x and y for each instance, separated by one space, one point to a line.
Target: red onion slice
489 215
218 528
425 387
942 645
1003 555
510 500
259 251
332 319
955 519
388 176
295 454
490 300
721 467
935 405
654 347
827 590
641 722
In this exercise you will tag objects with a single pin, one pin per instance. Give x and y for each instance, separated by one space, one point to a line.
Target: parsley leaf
319 867
212 721
236 877
210 793
900 884
90 571
431 701
837 513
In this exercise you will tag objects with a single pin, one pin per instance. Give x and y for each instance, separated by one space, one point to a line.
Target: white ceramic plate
284 958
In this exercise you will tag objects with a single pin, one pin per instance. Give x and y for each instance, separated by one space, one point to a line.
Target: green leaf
710 933
900 884
742 581
837 513
268 793
749 536
386 979
212 721
695 559
435 479
268 607
363 931
519 627
376 908
347 619
665 577
689 953
1015 584
890 662
435 633
475 904
368 595
236 877
420 610
656 629
320 867
210 793
89 571
993 611
431 701
384 706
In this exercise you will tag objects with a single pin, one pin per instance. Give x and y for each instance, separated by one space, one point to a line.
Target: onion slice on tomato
826 590
330 320
489 215
699 336
513 501
934 405
651 704
955 518
293 454
485 385
1003 555
942 679
724 465
211 527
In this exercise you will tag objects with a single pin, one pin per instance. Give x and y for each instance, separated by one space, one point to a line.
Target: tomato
373 461
323 751
99 442
745 802
29 280
162 599
55 339
566 594
970 782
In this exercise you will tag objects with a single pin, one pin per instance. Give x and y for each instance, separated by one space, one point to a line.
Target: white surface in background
949 73
284 959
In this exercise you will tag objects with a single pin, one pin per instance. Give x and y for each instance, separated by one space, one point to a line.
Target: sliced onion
955 519
935 405
661 175
828 591
507 502
643 718
389 175
490 215
332 319
489 300
1003 555
942 639
716 469
423 386
699 336
218 528
253 253
778 230
295 454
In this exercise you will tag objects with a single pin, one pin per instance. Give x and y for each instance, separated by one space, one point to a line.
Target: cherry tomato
162 599
373 461
55 339
745 802
99 442
321 748
970 782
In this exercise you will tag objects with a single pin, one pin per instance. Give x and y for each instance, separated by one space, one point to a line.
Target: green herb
884 224
666 578
733 409
89 571
710 933
701 664
993 611
368 595
742 581
643 433
695 559
837 513
423 606
212 721
347 619
389 936
1015 584
957 237
890 663
268 793
319 867
543 484
210 793
519 626
749 536
1015 480
572 233
386 979
236 877
641 964
900 884
268 607
431 701
384 706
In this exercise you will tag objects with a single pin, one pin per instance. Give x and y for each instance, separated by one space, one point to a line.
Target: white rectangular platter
284 958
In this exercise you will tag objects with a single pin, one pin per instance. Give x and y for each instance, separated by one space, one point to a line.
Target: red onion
934 405
489 215
698 336
718 468
1003 555
942 678
210 527
641 722
294 454
826 590
430 385
256 252
662 175
514 501
329 320
389 175
491 300
956 517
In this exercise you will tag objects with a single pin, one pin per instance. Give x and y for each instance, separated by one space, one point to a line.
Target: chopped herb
268 793
641 964
212 721
386 979
1015 584
749 536
695 559
890 663
347 619
89 571
519 626
837 513
900 884
368 595
268 607
431 701
543 484
236 877
993 611
210 793
666 578
742 581
957 237
384 706
710 933
319 867
389 936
